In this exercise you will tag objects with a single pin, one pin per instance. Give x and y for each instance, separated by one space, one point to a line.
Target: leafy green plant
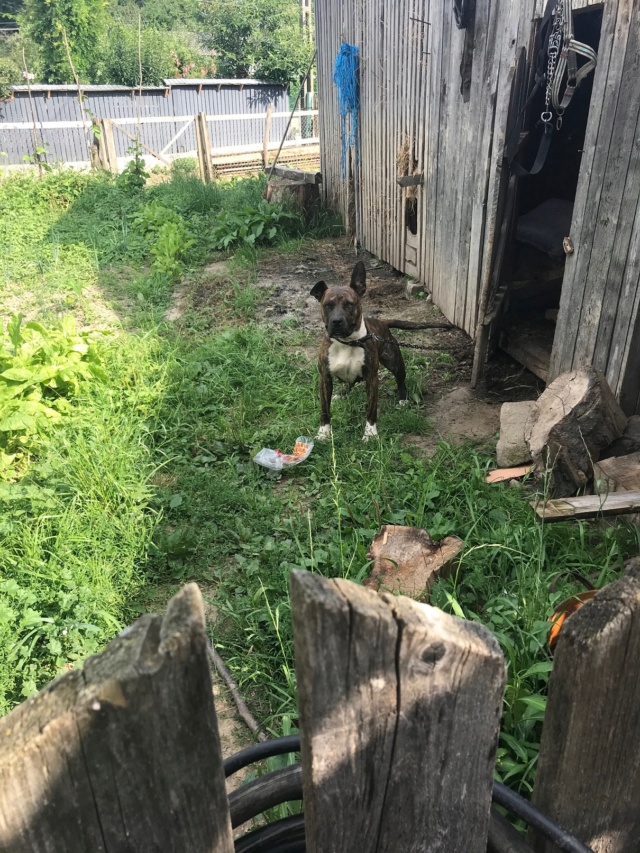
40 369
133 177
38 158
253 226
172 242
169 236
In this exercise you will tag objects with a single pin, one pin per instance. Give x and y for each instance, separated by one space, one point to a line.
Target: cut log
124 754
515 419
408 561
577 417
588 506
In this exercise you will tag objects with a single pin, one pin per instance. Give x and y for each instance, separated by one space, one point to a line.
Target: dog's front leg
326 390
371 429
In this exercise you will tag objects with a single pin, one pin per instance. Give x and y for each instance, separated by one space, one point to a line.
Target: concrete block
512 448
413 289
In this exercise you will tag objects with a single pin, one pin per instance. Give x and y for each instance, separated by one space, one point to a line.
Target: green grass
247 529
148 480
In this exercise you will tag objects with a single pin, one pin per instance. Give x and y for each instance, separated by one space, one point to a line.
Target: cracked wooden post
205 163
399 712
587 778
123 755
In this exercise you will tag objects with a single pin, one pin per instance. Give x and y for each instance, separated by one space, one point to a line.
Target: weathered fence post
588 778
123 755
399 712
108 147
267 131
204 148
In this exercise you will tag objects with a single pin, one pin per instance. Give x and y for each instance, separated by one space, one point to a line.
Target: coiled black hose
285 785
283 836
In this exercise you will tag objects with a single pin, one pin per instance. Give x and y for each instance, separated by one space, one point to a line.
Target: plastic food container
276 460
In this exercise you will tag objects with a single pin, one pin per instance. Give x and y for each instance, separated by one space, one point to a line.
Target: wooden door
598 322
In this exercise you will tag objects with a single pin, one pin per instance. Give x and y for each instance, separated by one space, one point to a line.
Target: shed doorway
532 266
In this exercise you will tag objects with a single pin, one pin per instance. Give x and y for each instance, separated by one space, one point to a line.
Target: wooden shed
547 265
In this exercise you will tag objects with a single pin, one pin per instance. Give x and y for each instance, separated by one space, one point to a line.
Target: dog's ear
318 290
359 278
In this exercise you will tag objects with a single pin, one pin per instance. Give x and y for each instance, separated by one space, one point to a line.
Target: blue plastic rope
346 76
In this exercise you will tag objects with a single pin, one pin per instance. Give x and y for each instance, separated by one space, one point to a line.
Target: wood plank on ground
588 506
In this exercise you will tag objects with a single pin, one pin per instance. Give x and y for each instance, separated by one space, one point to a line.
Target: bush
40 369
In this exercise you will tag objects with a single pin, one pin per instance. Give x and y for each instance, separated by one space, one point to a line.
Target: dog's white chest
345 362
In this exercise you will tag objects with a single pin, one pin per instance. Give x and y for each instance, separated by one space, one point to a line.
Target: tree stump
406 560
576 417
299 194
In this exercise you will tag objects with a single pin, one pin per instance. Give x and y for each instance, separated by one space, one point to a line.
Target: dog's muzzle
338 329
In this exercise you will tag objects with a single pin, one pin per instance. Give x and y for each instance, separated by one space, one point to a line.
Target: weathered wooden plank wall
411 104
597 322
414 119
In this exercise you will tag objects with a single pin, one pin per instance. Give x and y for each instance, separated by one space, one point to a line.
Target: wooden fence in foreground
399 708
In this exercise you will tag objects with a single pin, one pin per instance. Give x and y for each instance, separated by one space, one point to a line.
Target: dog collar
359 342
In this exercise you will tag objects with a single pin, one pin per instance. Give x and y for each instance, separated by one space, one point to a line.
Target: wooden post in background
588 779
108 147
399 712
267 131
204 148
124 754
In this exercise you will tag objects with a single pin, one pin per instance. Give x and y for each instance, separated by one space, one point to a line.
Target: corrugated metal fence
154 106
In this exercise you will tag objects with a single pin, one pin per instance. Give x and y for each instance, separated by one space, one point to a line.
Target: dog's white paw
370 431
324 433
402 402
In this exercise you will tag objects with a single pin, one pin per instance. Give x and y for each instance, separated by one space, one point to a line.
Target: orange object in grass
565 609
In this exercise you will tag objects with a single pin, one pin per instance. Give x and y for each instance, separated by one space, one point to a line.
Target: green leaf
14 331
515 746
19 374
176 501
540 668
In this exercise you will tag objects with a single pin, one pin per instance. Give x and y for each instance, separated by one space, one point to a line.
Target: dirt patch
459 416
286 282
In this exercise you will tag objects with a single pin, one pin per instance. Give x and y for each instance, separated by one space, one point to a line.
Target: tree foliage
175 15
256 38
163 54
83 22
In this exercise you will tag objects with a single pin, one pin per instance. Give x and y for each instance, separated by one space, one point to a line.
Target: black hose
523 808
285 785
281 786
260 751
282 836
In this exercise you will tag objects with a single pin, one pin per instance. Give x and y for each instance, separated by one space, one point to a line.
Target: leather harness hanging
558 50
